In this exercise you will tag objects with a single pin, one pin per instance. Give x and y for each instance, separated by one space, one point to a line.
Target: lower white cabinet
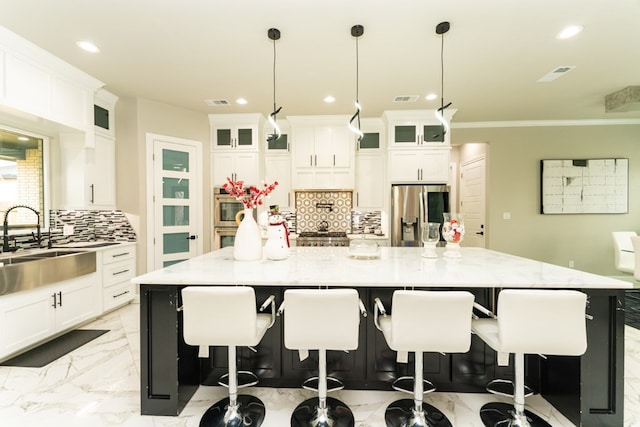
118 267
33 316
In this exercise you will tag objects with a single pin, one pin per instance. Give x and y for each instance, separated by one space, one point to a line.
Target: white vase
247 245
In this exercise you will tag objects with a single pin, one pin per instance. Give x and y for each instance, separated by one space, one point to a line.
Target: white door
175 218
472 201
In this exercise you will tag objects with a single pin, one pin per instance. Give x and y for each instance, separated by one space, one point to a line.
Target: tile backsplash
90 225
314 206
366 222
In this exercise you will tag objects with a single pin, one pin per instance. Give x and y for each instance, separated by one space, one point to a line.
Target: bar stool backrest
327 319
635 241
431 321
542 321
623 251
220 315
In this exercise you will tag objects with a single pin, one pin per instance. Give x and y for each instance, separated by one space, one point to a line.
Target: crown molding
544 123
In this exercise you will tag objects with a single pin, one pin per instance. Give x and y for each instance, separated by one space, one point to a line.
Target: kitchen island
588 389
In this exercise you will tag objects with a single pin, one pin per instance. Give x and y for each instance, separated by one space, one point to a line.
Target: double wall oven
225 210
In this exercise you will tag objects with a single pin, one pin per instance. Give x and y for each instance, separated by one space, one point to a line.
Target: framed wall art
584 186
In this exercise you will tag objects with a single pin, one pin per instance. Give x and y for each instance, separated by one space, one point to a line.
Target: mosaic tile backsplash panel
91 225
313 207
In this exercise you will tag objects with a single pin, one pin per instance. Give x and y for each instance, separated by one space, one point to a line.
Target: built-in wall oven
224 237
225 208
225 213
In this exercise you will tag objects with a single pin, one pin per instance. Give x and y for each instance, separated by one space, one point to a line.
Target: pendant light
274 34
357 31
441 29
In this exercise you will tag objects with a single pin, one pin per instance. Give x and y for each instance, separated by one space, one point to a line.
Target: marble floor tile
98 385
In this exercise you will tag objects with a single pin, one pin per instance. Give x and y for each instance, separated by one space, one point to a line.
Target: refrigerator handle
422 211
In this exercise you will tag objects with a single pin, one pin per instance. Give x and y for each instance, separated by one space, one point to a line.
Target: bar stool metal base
333 384
503 415
307 414
250 412
401 414
506 388
244 379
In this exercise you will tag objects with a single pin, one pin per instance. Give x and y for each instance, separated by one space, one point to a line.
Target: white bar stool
322 319
623 251
227 316
635 242
423 321
530 321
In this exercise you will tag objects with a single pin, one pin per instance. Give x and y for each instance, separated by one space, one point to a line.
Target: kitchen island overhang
171 370
395 267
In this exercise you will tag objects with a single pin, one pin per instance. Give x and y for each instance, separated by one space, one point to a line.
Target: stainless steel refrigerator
413 205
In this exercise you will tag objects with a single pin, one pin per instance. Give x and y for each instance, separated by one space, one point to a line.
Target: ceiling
185 52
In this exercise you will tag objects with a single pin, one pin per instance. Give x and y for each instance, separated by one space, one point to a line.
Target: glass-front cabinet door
235 131
370 141
240 137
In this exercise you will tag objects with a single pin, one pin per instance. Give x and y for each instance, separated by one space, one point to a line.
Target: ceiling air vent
555 73
216 102
406 98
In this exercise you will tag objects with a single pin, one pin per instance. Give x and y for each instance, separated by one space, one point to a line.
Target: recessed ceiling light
87 46
241 101
569 32
23 138
329 99
431 97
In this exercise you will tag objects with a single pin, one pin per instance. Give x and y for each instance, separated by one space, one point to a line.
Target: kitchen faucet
5 228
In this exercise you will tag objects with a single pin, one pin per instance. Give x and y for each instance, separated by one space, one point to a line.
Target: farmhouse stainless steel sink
30 270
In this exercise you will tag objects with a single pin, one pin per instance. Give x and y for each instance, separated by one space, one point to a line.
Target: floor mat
54 349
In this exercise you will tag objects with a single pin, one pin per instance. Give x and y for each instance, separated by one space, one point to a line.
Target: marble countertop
395 267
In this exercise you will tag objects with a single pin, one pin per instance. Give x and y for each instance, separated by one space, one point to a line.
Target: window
22 160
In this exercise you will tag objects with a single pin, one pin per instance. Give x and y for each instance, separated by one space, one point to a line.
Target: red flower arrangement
250 196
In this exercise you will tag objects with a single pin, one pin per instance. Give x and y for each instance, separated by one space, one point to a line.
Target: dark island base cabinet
588 390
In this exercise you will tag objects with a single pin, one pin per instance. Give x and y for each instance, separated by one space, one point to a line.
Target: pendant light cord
441 29
357 31
274 77
274 35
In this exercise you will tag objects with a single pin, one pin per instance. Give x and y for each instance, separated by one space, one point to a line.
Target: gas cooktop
316 234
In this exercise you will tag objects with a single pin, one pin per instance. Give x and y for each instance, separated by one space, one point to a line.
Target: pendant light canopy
274 34
441 29
357 31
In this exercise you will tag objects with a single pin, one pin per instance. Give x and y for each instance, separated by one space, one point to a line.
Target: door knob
192 237
480 233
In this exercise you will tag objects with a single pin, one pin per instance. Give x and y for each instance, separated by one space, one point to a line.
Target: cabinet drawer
118 254
117 295
118 272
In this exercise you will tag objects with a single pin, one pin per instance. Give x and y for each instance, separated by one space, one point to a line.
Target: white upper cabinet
323 152
419 165
370 180
104 113
236 131
236 166
35 82
416 128
278 168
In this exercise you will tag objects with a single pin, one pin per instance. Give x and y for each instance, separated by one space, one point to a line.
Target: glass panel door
174 208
